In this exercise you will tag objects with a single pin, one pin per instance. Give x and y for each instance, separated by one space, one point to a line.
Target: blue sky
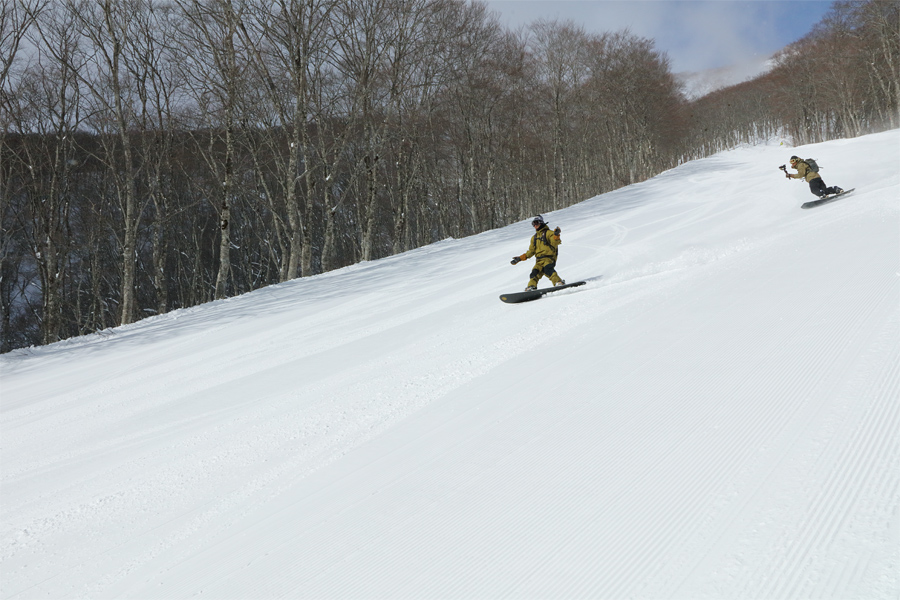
696 34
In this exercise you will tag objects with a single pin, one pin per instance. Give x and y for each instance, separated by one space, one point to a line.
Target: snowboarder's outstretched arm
517 259
797 175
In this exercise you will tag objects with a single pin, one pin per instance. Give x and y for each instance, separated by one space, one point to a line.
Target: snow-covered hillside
714 415
697 84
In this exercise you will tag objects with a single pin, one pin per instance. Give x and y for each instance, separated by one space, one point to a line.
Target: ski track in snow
713 415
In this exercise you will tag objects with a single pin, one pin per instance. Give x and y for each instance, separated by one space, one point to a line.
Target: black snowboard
516 297
826 199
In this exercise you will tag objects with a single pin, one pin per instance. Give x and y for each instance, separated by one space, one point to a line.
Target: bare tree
46 115
106 26
16 19
878 25
216 66
560 49
157 86
366 36
479 54
292 47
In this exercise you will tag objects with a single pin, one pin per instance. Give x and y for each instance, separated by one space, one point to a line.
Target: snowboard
516 297
826 199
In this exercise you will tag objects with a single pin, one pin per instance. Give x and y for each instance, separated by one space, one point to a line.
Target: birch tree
216 66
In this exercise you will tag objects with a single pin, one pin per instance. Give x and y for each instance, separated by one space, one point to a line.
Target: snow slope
697 84
714 415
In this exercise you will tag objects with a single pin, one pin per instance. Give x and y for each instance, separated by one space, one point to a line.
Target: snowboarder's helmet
538 220
795 158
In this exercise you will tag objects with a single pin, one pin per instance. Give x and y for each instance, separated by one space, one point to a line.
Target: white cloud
696 34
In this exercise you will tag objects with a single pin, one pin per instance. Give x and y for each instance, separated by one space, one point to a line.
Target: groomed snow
714 415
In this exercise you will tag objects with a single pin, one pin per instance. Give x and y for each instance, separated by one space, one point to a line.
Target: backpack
812 164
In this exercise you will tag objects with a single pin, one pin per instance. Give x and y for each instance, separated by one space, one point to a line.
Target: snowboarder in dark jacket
545 247
816 185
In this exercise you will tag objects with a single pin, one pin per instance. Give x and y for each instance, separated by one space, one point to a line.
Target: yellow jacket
803 172
544 244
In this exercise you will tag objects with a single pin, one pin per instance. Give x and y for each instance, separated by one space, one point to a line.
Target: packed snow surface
715 414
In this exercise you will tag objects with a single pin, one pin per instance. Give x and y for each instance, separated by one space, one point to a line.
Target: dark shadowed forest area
156 155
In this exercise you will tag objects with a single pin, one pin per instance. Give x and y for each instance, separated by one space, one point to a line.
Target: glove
516 260
557 231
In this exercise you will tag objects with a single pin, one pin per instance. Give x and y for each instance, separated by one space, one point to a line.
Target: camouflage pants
544 267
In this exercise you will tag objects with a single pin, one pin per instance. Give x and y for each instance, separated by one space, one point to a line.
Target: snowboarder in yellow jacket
545 247
812 177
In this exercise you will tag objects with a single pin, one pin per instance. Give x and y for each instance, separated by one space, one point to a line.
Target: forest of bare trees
158 154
